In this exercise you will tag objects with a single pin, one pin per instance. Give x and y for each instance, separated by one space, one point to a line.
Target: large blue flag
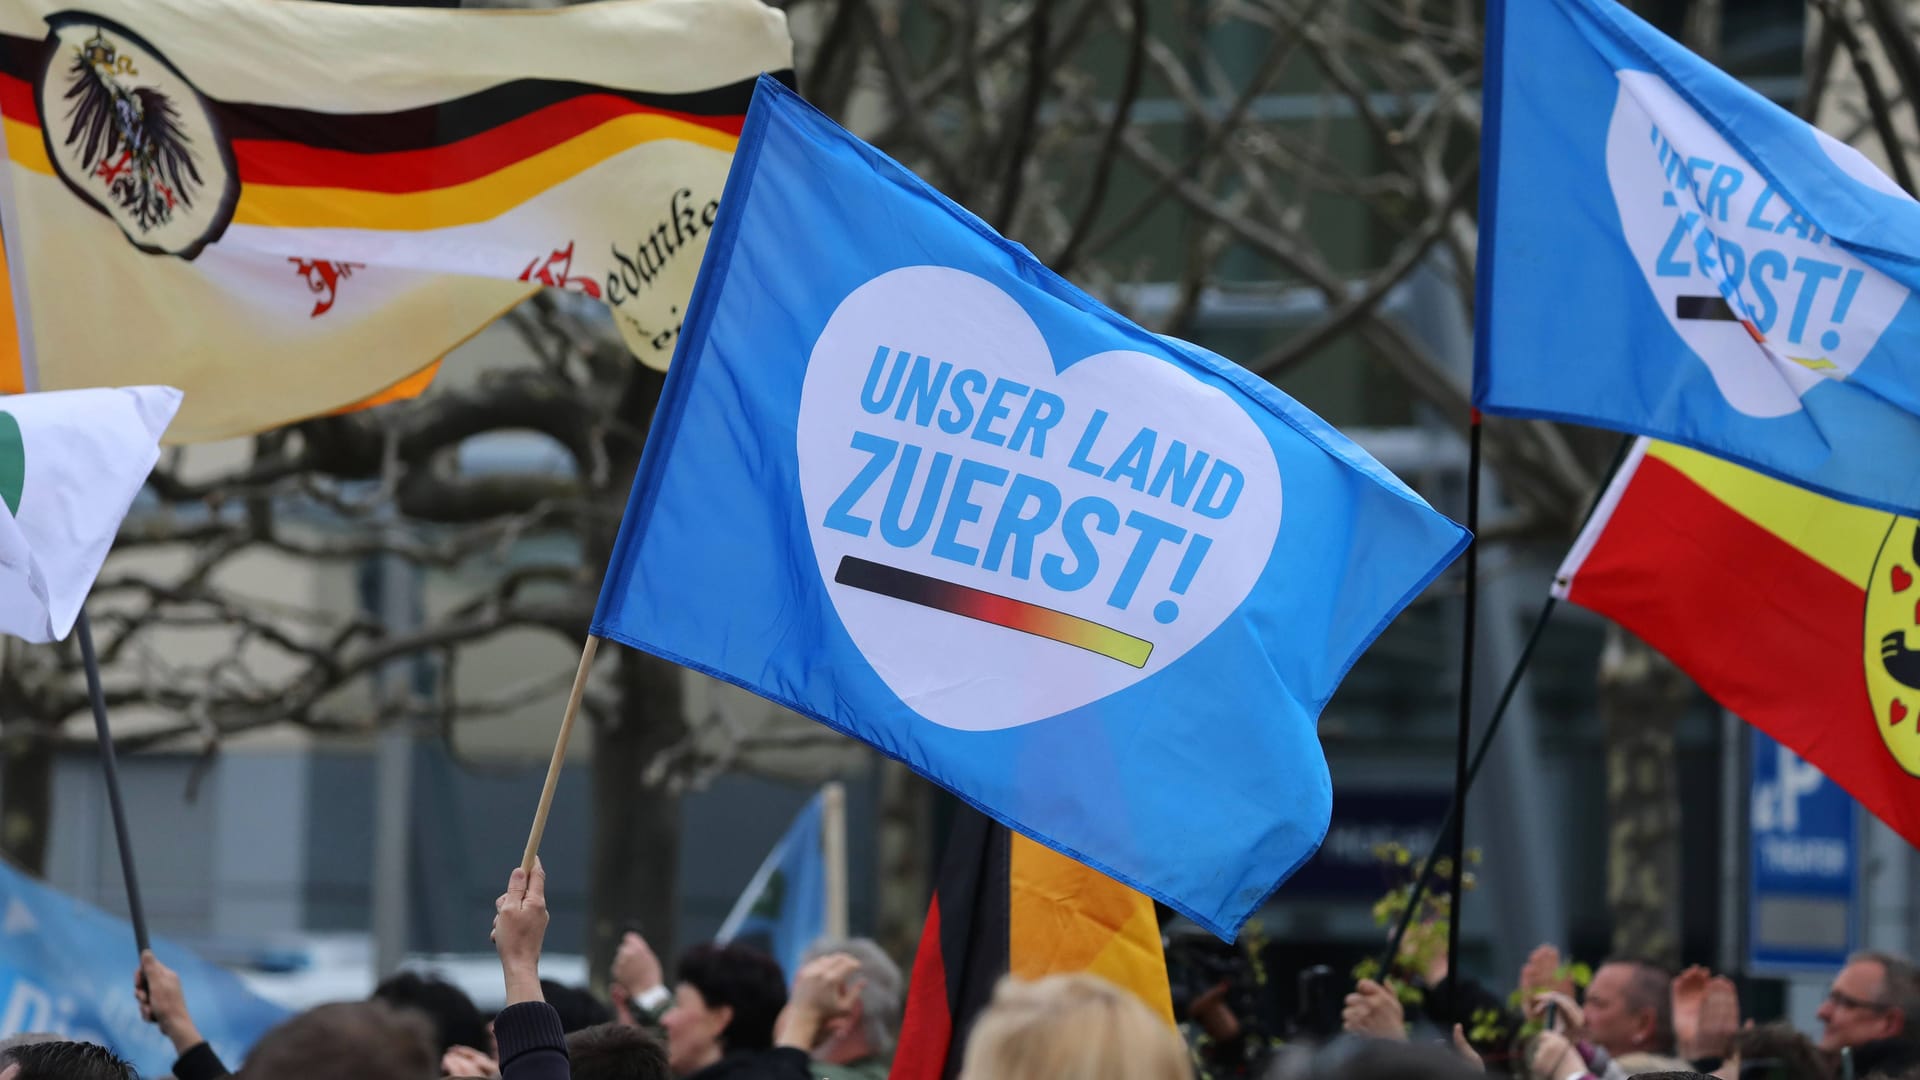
909 482
1667 252
67 968
784 908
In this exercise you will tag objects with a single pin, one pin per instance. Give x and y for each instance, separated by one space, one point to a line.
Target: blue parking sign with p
1803 863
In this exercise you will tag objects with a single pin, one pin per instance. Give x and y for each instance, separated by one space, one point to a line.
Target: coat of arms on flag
298 206
1799 613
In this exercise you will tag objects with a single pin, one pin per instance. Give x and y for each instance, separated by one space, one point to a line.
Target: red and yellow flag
1796 612
1007 905
282 209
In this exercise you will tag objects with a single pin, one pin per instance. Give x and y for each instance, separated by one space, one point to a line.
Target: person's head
726 1001
1629 1008
456 1020
616 1052
1872 998
578 1008
1071 1027
358 1040
38 1057
869 1030
25 1038
1776 1051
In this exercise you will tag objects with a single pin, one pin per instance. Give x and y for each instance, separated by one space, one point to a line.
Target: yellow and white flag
282 208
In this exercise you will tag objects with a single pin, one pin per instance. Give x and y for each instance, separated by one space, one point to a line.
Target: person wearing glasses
1874 998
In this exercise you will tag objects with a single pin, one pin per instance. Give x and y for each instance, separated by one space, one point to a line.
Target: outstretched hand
466 1061
1568 1016
635 966
519 929
827 988
1554 1058
157 987
1541 973
1373 1009
1719 1020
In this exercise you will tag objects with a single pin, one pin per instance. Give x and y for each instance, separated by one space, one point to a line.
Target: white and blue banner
909 482
784 908
68 968
1665 251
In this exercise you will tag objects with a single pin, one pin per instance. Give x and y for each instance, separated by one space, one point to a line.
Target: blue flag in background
784 908
909 482
67 968
1667 252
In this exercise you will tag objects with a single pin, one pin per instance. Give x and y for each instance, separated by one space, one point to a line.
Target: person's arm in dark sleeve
785 1063
199 1062
163 1003
533 1046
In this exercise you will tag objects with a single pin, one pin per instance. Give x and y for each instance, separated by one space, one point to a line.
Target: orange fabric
13 375
1063 916
405 390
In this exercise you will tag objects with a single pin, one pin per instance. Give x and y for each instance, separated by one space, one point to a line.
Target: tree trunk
1702 31
905 841
1642 696
633 879
636 827
26 796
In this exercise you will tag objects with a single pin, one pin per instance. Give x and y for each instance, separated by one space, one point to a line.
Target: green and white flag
71 462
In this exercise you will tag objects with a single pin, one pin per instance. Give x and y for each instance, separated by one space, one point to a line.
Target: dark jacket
779 1063
1884 1057
533 1046
199 1063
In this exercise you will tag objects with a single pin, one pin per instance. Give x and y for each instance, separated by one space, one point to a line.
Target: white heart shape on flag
1109 516
1768 302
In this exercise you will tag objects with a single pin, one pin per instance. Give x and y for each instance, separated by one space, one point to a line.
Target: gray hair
1899 987
880 998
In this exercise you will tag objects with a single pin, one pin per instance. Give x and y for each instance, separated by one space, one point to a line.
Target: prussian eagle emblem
134 133
129 134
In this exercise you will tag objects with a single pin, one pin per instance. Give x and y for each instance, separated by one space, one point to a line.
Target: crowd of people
729 1014
1637 1019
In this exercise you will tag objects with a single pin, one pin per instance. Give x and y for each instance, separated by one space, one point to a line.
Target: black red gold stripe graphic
455 162
977 604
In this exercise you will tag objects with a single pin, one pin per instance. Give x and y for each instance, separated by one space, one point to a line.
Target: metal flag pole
559 754
1450 822
1445 834
110 766
1467 631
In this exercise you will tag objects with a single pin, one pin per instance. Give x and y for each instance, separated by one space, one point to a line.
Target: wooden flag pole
136 914
833 851
559 754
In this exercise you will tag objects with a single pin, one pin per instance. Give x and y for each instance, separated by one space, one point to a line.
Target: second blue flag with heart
909 482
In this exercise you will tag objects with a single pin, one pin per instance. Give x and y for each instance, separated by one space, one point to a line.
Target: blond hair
1071 1027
